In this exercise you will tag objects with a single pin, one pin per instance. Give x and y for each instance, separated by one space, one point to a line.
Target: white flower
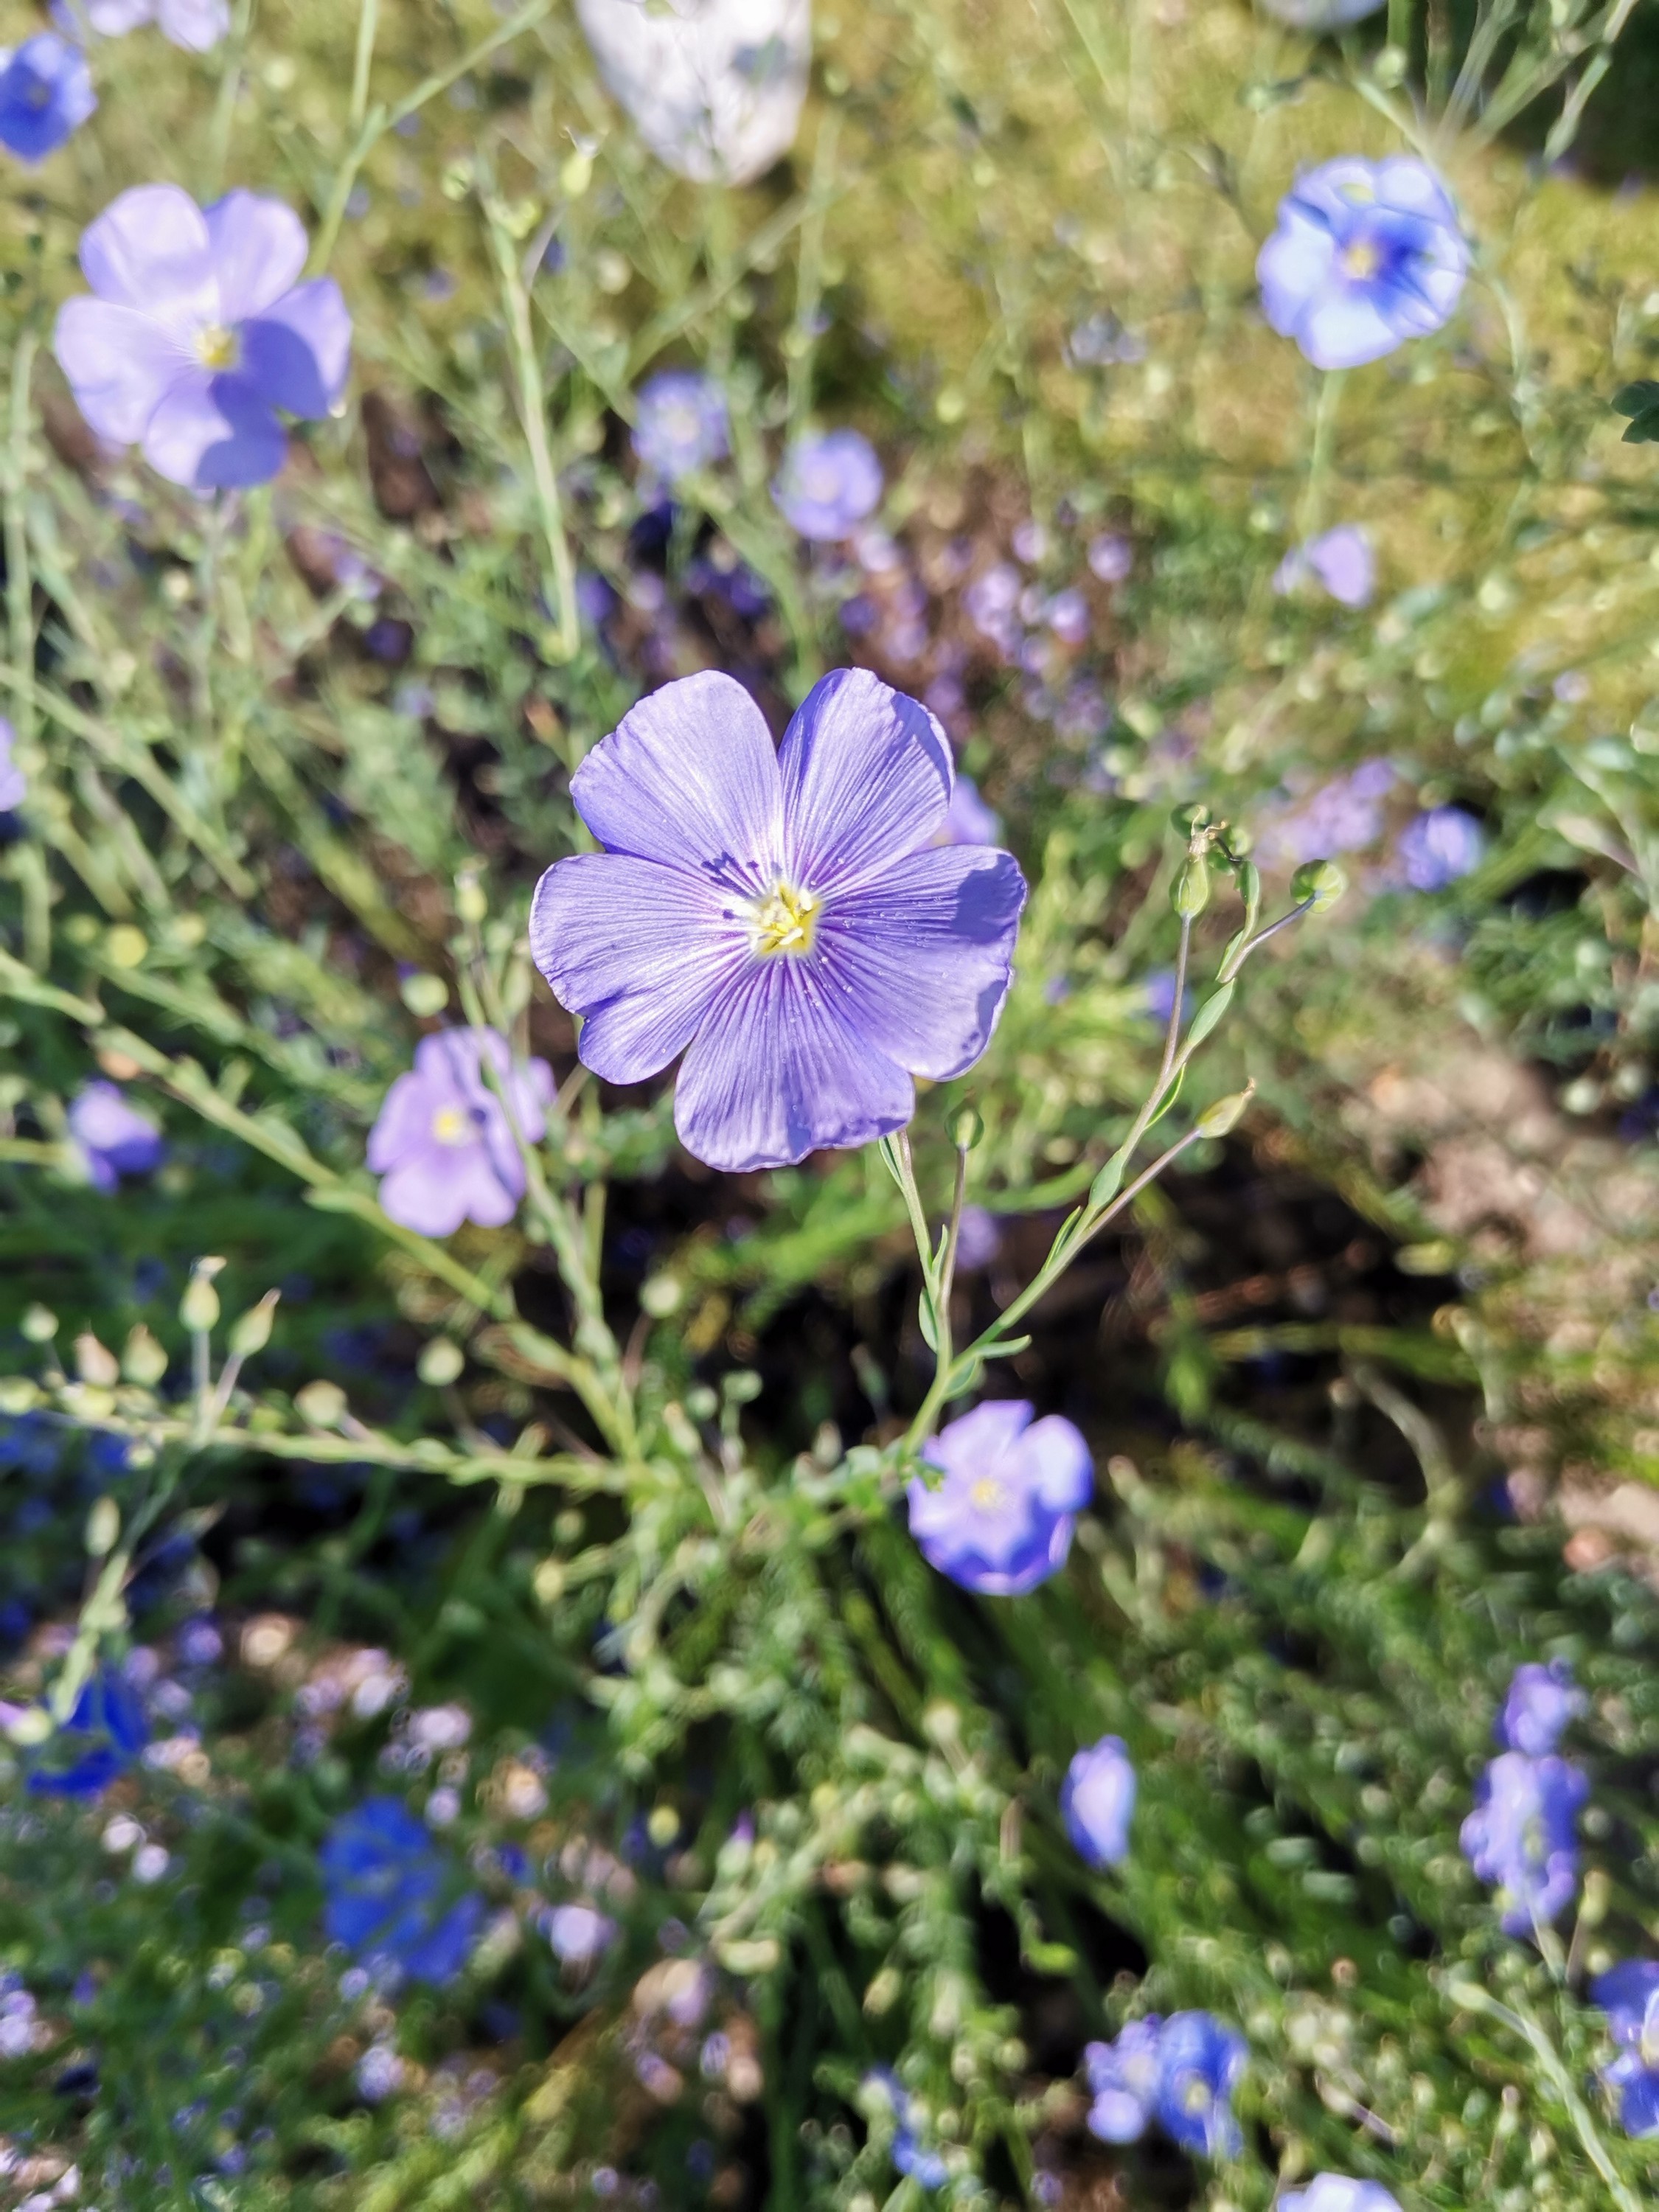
715 85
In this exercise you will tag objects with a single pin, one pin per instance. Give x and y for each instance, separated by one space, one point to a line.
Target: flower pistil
785 920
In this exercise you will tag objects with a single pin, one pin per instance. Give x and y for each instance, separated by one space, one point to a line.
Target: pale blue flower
1366 255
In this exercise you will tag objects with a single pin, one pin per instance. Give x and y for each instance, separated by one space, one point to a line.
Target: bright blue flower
1123 2081
1629 1994
1340 2192
391 1893
681 425
1367 254
829 484
104 1734
46 93
1097 1801
115 1138
1437 848
1200 2065
1002 1519
1520 1836
1541 1700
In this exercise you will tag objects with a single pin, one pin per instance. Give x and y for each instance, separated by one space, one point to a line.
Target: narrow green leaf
1210 1013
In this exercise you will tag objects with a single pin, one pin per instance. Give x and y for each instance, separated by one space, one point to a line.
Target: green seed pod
1218 1120
320 1403
967 1127
198 1309
1191 892
1321 881
441 1363
251 1332
39 1324
143 1360
103 1527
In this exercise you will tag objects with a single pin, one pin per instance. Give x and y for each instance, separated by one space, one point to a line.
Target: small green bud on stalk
470 904
143 1360
1191 891
1321 882
95 1363
441 1363
251 1332
1221 1119
198 1309
39 1324
967 1127
103 1527
322 1404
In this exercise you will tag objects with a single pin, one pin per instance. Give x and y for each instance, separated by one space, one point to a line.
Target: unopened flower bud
320 1403
441 1363
103 1527
1220 1119
39 1324
251 1332
470 904
1191 891
1193 815
967 1127
95 1363
143 1360
1321 881
198 1309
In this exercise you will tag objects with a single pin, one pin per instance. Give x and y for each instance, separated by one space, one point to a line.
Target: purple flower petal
120 364
296 355
257 247
866 776
150 250
209 431
781 1069
641 949
923 952
198 26
690 778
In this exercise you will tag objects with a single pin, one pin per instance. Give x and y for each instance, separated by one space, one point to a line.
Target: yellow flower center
987 1495
786 921
1360 260
450 1126
216 346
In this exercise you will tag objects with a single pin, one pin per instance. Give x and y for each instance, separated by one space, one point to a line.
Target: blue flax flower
681 424
1367 254
1629 1994
829 484
45 94
1437 847
114 1139
1097 1801
389 1893
198 330
1340 560
1340 2192
102 1737
1520 1836
780 915
909 2153
1002 1519
1181 2072
1541 1702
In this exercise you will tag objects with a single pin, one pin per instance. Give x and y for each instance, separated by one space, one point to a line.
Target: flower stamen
785 920
216 346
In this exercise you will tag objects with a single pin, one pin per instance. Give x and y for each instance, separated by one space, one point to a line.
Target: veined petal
641 949
259 248
149 249
690 778
921 955
867 777
778 1071
297 354
1066 1471
1345 330
120 364
210 430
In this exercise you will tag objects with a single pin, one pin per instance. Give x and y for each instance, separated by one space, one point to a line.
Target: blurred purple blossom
1437 847
777 916
1520 1836
968 819
1111 558
1541 1700
1102 342
1181 2072
443 1141
1001 1520
45 94
1067 615
978 1240
14 784
1629 1994
199 331
1342 816
115 1138
1340 560
1097 1801
830 482
909 2156
198 26
681 424
1029 542
1366 255
1339 2192
1123 2081
577 1935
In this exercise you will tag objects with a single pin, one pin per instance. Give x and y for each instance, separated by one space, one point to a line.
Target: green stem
369 18
1321 445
